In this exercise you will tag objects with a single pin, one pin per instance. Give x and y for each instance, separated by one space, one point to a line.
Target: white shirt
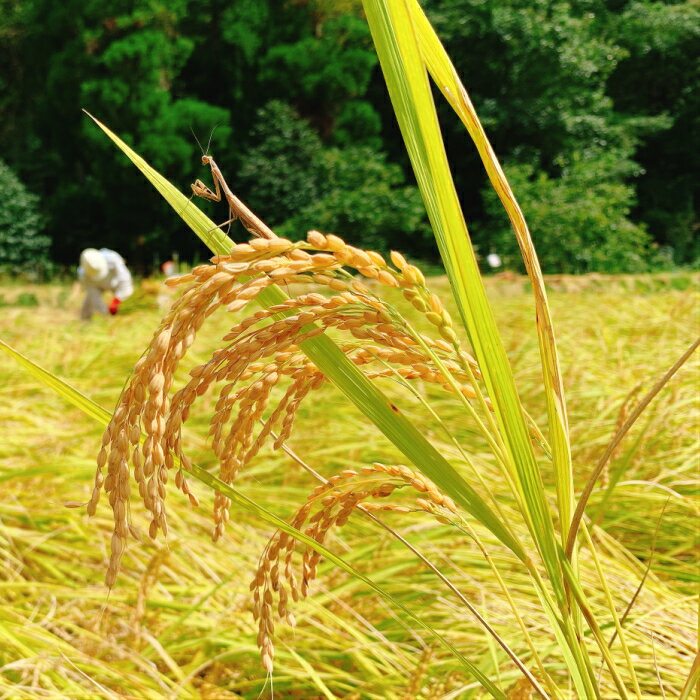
117 280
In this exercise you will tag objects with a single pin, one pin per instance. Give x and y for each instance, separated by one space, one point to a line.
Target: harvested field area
178 622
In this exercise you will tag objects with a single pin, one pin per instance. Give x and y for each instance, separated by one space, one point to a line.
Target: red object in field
114 305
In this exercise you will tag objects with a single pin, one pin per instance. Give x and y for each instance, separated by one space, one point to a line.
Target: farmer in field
103 271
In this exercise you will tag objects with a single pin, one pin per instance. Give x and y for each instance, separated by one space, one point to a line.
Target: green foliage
659 76
296 184
23 246
136 59
358 123
543 68
27 299
366 200
121 61
554 79
322 71
579 221
557 79
282 171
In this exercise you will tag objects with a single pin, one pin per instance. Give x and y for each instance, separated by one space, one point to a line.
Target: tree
579 220
542 90
659 76
321 72
282 170
367 201
119 61
23 245
297 184
561 87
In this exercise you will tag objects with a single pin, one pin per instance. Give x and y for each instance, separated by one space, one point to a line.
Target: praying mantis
237 209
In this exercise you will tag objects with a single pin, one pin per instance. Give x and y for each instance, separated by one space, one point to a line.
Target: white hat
493 259
94 264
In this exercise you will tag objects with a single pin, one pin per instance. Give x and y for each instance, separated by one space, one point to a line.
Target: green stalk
399 55
580 597
613 611
446 79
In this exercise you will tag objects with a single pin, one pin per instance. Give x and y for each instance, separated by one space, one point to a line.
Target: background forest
592 104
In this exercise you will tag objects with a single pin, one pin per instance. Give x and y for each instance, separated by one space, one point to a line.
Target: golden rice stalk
328 357
260 352
329 505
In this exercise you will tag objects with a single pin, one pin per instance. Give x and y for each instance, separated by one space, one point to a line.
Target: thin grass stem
613 610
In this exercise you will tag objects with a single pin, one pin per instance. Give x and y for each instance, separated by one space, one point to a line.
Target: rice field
178 622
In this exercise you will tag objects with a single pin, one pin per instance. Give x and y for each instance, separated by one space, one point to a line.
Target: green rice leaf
578 593
405 74
693 680
313 674
446 79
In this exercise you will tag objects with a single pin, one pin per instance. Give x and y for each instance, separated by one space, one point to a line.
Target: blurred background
592 105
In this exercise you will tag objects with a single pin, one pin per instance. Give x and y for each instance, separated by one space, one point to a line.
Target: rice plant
339 324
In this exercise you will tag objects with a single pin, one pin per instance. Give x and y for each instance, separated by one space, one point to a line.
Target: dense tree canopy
592 106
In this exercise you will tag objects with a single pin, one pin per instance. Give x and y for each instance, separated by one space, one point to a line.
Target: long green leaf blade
446 79
326 355
405 74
